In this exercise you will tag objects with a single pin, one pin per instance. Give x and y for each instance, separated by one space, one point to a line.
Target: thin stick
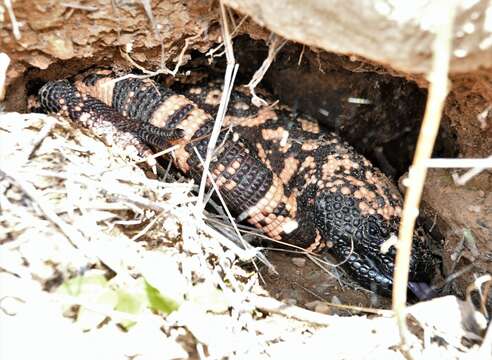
13 20
459 163
356 309
37 141
276 43
295 249
477 285
217 191
79 7
162 70
231 219
206 173
438 90
463 179
212 51
314 257
158 154
276 307
301 55
4 64
228 82
243 254
147 228
180 61
230 75
226 35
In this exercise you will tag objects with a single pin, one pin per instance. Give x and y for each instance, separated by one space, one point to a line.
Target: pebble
299 261
335 300
290 301
312 305
322 308
474 208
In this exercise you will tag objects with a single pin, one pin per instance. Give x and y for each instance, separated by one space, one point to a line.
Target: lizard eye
372 229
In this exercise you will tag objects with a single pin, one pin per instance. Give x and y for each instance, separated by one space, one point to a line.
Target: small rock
474 208
299 261
335 300
322 308
290 301
312 305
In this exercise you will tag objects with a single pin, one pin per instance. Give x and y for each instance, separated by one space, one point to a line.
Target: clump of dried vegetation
95 252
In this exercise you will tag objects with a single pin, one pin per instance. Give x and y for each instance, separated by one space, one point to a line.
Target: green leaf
88 319
83 285
92 288
129 303
159 302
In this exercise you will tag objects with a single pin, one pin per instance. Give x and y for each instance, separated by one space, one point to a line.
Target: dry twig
459 163
4 64
438 90
476 169
13 20
276 307
79 7
230 75
212 52
276 43
163 69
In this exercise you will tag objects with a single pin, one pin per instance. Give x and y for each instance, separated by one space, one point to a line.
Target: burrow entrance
376 112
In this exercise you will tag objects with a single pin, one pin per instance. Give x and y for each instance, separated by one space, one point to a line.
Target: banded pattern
283 173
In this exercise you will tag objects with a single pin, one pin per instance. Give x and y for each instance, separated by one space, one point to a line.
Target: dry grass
74 210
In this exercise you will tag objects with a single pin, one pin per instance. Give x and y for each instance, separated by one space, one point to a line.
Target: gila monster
299 183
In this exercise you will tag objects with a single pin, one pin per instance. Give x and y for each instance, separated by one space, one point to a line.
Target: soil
464 216
301 282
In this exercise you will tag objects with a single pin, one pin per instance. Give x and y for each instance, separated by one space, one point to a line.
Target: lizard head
357 240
